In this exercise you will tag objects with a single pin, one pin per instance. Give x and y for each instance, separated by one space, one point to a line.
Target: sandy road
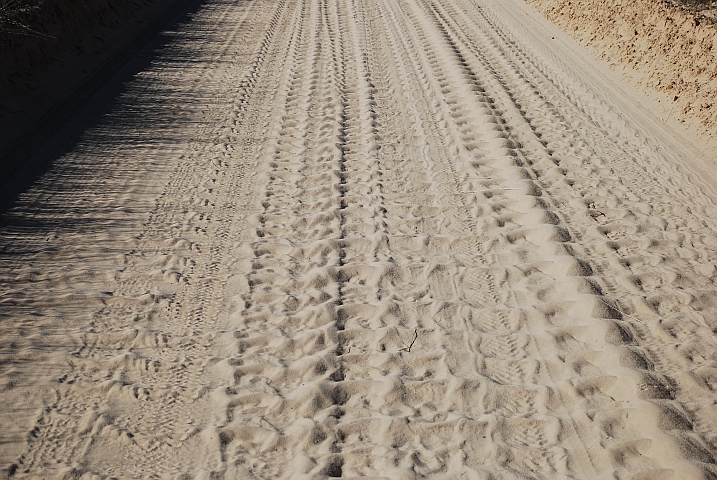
364 238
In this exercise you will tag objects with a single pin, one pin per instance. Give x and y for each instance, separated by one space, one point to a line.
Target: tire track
361 238
146 372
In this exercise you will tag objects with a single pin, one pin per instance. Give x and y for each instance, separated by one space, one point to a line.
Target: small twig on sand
621 312
669 115
415 336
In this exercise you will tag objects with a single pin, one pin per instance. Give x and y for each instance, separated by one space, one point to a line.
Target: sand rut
383 239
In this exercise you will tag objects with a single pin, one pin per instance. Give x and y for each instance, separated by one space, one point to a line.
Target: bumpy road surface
363 238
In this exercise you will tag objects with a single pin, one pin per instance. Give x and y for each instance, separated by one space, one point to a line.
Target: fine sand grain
390 239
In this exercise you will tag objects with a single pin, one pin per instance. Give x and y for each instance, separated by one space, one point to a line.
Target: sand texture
393 239
675 50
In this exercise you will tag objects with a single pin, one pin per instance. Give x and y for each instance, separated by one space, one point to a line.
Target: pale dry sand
364 238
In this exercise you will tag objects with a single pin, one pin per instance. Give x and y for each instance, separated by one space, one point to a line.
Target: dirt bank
67 59
34 35
675 51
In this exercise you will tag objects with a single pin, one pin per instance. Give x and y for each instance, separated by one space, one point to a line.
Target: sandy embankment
674 51
34 40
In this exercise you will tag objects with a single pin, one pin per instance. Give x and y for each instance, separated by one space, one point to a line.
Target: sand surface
364 238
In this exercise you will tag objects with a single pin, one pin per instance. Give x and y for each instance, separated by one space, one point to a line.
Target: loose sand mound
674 49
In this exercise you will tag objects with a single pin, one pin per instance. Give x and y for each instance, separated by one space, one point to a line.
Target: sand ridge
372 238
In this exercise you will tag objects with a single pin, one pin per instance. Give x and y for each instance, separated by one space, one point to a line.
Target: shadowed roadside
28 150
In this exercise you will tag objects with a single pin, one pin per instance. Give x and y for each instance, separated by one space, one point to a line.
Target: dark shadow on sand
33 153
